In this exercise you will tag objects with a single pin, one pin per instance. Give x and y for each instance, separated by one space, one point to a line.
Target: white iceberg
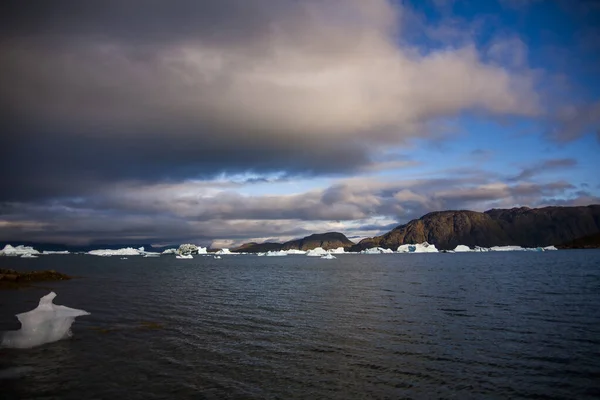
377 250
317 252
28 255
224 251
45 252
279 253
151 254
127 251
184 256
170 251
21 250
547 248
217 257
507 248
418 248
295 252
339 250
188 248
461 248
45 324
328 257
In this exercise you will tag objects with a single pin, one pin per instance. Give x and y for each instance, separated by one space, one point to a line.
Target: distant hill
527 227
329 240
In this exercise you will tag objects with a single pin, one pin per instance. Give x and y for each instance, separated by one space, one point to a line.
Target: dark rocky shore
11 279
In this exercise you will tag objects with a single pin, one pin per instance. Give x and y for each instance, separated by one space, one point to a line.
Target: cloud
150 91
573 121
543 167
195 211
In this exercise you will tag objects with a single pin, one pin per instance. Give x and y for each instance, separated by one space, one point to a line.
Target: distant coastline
563 227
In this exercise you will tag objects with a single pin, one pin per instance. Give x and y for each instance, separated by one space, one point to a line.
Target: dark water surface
484 325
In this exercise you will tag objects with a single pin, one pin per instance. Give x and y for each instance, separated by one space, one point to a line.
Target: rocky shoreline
11 279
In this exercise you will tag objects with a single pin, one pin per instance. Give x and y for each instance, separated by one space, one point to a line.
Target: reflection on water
387 326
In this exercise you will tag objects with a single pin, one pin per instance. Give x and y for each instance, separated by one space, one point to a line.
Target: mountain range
567 227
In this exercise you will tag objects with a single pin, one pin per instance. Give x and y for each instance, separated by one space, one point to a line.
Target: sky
219 122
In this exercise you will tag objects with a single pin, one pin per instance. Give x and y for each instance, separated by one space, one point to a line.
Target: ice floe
417 248
328 256
279 253
377 250
21 250
46 323
184 256
339 250
224 251
127 251
188 248
317 252
46 252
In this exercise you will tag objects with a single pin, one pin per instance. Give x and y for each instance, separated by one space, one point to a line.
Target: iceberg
547 248
279 253
295 252
418 248
184 256
188 248
317 252
170 251
224 251
151 254
45 252
461 248
339 250
29 255
329 256
45 324
507 248
128 251
377 250
217 257
21 250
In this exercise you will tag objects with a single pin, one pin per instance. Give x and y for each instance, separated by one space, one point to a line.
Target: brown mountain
527 227
329 240
586 242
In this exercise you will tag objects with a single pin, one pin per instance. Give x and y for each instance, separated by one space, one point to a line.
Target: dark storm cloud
93 93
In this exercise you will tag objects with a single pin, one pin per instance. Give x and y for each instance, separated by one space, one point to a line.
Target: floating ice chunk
45 324
339 250
507 248
56 252
217 257
224 251
295 252
170 251
151 254
128 251
461 248
190 249
550 248
329 256
29 256
184 256
279 253
418 248
21 250
377 250
316 252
